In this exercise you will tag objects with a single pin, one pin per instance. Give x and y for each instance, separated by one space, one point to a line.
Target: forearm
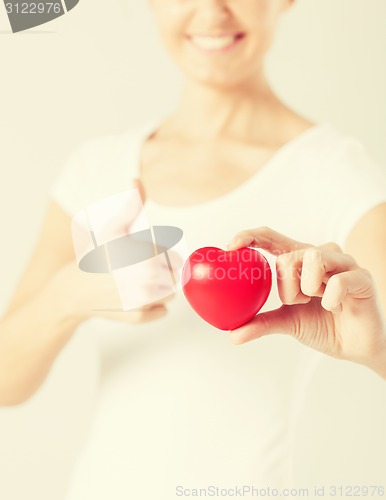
378 363
30 340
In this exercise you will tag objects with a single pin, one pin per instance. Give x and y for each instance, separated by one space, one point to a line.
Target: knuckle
241 235
284 259
334 247
313 255
367 274
350 259
281 267
336 280
337 247
245 233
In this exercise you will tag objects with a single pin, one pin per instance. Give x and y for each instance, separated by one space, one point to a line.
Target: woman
180 407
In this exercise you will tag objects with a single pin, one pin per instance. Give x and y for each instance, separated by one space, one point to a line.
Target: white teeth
213 43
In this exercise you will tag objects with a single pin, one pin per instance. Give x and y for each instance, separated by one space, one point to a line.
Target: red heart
226 289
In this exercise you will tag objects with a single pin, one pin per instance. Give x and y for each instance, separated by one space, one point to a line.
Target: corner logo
25 15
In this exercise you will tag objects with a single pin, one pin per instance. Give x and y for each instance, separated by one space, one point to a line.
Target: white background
98 70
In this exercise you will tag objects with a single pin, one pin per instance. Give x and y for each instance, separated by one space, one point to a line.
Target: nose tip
216 11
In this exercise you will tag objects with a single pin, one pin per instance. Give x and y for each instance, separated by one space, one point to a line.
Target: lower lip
227 48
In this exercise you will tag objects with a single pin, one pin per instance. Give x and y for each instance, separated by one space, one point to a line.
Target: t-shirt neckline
151 126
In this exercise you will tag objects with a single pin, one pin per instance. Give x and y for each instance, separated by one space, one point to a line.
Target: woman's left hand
329 303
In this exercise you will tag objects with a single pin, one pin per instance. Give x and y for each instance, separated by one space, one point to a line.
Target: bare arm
53 298
35 327
330 302
367 244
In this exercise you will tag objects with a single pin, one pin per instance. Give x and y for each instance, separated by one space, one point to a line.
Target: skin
52 299
235 91
227 124
330 303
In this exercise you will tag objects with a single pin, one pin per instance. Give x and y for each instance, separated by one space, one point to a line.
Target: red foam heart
226 289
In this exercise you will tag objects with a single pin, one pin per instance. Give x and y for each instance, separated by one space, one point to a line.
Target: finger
154 306
152 315
267 239
288 271
133 316
158 303
304 273
318 265
145 315
357 283
331 246
280 320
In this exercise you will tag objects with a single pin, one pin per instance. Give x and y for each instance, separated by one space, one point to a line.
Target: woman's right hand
84 295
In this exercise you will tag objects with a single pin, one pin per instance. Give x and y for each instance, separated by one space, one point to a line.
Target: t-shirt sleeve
356 184
67 188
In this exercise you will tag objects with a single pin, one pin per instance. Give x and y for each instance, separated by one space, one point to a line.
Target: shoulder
337 180
98 167
116 154
349 162
109 148
352 183
329 141
332 153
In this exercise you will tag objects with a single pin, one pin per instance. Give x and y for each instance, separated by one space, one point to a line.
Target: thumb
279 320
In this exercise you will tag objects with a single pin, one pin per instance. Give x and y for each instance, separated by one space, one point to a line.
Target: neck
207 112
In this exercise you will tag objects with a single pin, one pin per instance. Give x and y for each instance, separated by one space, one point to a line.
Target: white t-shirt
179 406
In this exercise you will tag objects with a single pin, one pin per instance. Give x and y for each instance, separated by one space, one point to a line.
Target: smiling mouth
218 43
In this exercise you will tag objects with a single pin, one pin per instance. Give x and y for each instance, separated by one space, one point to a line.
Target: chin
221 80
